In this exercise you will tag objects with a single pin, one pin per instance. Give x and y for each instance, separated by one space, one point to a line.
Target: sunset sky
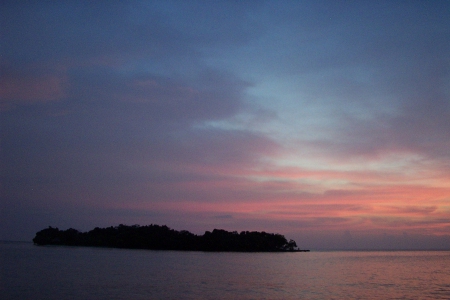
325 121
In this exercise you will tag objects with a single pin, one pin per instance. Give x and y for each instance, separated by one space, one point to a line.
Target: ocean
59 272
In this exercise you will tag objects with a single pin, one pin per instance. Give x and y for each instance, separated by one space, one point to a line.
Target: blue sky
325 121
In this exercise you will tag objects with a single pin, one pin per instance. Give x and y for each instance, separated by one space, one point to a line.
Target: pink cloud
17 88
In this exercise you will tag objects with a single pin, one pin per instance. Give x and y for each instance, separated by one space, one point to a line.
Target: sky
325 121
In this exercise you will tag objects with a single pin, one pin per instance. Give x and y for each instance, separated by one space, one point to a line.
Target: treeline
158 237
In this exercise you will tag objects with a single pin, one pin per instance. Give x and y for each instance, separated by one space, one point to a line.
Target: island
156 237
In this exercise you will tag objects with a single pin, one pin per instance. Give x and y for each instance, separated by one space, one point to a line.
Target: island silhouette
156 237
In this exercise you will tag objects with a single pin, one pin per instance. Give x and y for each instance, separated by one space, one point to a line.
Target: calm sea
32 272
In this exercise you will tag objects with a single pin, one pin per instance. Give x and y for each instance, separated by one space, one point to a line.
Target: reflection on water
31 272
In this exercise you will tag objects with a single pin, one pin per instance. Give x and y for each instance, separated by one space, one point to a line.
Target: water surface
58 272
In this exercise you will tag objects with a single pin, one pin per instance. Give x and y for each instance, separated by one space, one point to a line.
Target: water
31 272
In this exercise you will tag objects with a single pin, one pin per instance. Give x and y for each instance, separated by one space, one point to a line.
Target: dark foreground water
32 272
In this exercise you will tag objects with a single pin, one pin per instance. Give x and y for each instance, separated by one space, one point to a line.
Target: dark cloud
81 31
117 138
114 31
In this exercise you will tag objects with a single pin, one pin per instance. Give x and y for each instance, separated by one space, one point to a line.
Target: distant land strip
156 237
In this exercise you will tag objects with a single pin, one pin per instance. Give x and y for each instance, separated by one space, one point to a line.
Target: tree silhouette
163 238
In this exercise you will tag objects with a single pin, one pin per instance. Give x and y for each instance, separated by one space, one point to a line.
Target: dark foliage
163 238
